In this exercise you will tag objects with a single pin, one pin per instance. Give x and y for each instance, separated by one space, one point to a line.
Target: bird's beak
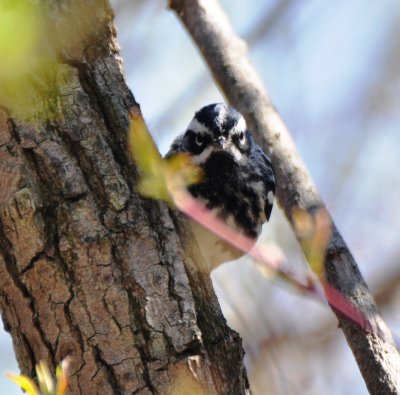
220 142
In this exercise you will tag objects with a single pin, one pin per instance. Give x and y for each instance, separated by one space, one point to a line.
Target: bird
238 181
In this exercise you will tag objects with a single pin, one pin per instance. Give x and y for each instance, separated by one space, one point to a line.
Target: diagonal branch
225 54
201 82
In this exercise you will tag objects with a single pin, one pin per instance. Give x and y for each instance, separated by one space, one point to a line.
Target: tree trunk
88 269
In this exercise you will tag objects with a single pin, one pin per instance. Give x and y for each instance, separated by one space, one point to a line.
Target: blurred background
332 71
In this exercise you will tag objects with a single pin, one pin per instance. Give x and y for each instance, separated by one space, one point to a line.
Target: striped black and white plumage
238 181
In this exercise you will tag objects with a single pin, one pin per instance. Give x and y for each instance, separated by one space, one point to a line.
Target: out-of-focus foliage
47 386
20 35
32 45
160 178
314 231
23 56
184 382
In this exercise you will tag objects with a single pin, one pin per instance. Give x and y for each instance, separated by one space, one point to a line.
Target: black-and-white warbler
238 182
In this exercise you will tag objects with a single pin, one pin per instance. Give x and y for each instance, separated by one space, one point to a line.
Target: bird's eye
241 137
199 139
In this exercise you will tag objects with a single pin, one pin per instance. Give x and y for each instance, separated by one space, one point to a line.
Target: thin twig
198 212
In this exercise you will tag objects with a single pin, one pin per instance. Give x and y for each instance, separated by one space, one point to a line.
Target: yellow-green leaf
314 232
25 383
20 31
159 178
62 383
45 380
142 146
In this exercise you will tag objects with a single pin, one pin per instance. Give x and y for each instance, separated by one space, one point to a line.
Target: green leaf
159 178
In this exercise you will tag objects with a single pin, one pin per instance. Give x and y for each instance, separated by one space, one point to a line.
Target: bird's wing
270 182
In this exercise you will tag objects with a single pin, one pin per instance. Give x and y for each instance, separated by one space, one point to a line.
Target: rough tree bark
88 269
225 54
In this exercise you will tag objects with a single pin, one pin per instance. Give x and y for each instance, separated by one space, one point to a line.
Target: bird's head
217 128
